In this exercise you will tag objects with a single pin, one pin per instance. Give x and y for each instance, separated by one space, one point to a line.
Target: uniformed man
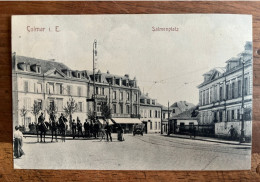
79 126
74 125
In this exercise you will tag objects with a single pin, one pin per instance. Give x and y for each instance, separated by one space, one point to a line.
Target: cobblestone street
135 153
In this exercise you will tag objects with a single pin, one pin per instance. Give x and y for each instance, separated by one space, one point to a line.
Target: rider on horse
54 126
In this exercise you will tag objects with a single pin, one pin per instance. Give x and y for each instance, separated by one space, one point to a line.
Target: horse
62 128
42 128
53 126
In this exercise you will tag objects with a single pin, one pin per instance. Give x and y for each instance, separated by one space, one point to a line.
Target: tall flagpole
94 78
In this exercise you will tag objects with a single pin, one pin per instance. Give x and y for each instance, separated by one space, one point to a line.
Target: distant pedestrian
194 131
91 129
18 143
120 133
232 132
108 132
191 130
74 126
87 128
79 126
96 129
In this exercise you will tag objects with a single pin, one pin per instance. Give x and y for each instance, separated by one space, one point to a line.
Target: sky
168 65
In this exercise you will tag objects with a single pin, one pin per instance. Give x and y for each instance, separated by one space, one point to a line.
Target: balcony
99 114
135 116
101 97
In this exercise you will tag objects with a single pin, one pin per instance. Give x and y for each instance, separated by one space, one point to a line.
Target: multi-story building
150 114
47 82
120 93
220 95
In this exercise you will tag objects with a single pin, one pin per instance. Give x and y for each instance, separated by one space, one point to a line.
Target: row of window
216 92
147 101
157 125
150 113
52 88
121 96
229 115
120 110
58 103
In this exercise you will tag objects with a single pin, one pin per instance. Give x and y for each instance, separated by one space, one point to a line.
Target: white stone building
150 112
47 82
220 94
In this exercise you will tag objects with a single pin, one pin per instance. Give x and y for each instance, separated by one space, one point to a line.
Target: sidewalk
208 139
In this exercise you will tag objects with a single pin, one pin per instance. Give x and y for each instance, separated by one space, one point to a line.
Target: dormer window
38 69
28 67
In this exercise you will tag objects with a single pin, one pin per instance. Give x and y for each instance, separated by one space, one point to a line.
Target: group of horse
57 128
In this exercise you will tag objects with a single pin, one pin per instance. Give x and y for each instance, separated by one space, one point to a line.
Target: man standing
74 125
232 132
96 129
86 128
79 126
108 132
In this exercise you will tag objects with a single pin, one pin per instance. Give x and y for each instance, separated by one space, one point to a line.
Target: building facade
173 110
150 114
220 95
47 83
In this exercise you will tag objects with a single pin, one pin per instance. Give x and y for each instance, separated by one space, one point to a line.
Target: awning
127 120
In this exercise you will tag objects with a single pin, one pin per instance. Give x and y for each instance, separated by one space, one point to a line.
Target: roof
46 65
143 96
246 54
182 105
233 59
162 106
191 113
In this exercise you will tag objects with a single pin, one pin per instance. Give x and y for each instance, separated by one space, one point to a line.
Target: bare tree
70 108
105 111
91 115
23 114
36 110
52 109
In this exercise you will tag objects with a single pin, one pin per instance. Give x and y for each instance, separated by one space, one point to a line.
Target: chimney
108 72
127 75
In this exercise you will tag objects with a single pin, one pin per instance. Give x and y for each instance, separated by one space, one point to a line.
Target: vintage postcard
132 92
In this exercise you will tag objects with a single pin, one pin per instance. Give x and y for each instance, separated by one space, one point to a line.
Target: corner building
48 82
220 95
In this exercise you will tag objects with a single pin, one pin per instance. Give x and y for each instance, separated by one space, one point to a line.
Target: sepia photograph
132 91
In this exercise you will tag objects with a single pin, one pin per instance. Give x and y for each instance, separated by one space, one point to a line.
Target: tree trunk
70 122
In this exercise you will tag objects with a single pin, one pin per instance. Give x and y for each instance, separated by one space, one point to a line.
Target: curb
213 141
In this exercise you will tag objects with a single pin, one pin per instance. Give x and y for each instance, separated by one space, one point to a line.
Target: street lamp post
94 79
242 137
169 128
